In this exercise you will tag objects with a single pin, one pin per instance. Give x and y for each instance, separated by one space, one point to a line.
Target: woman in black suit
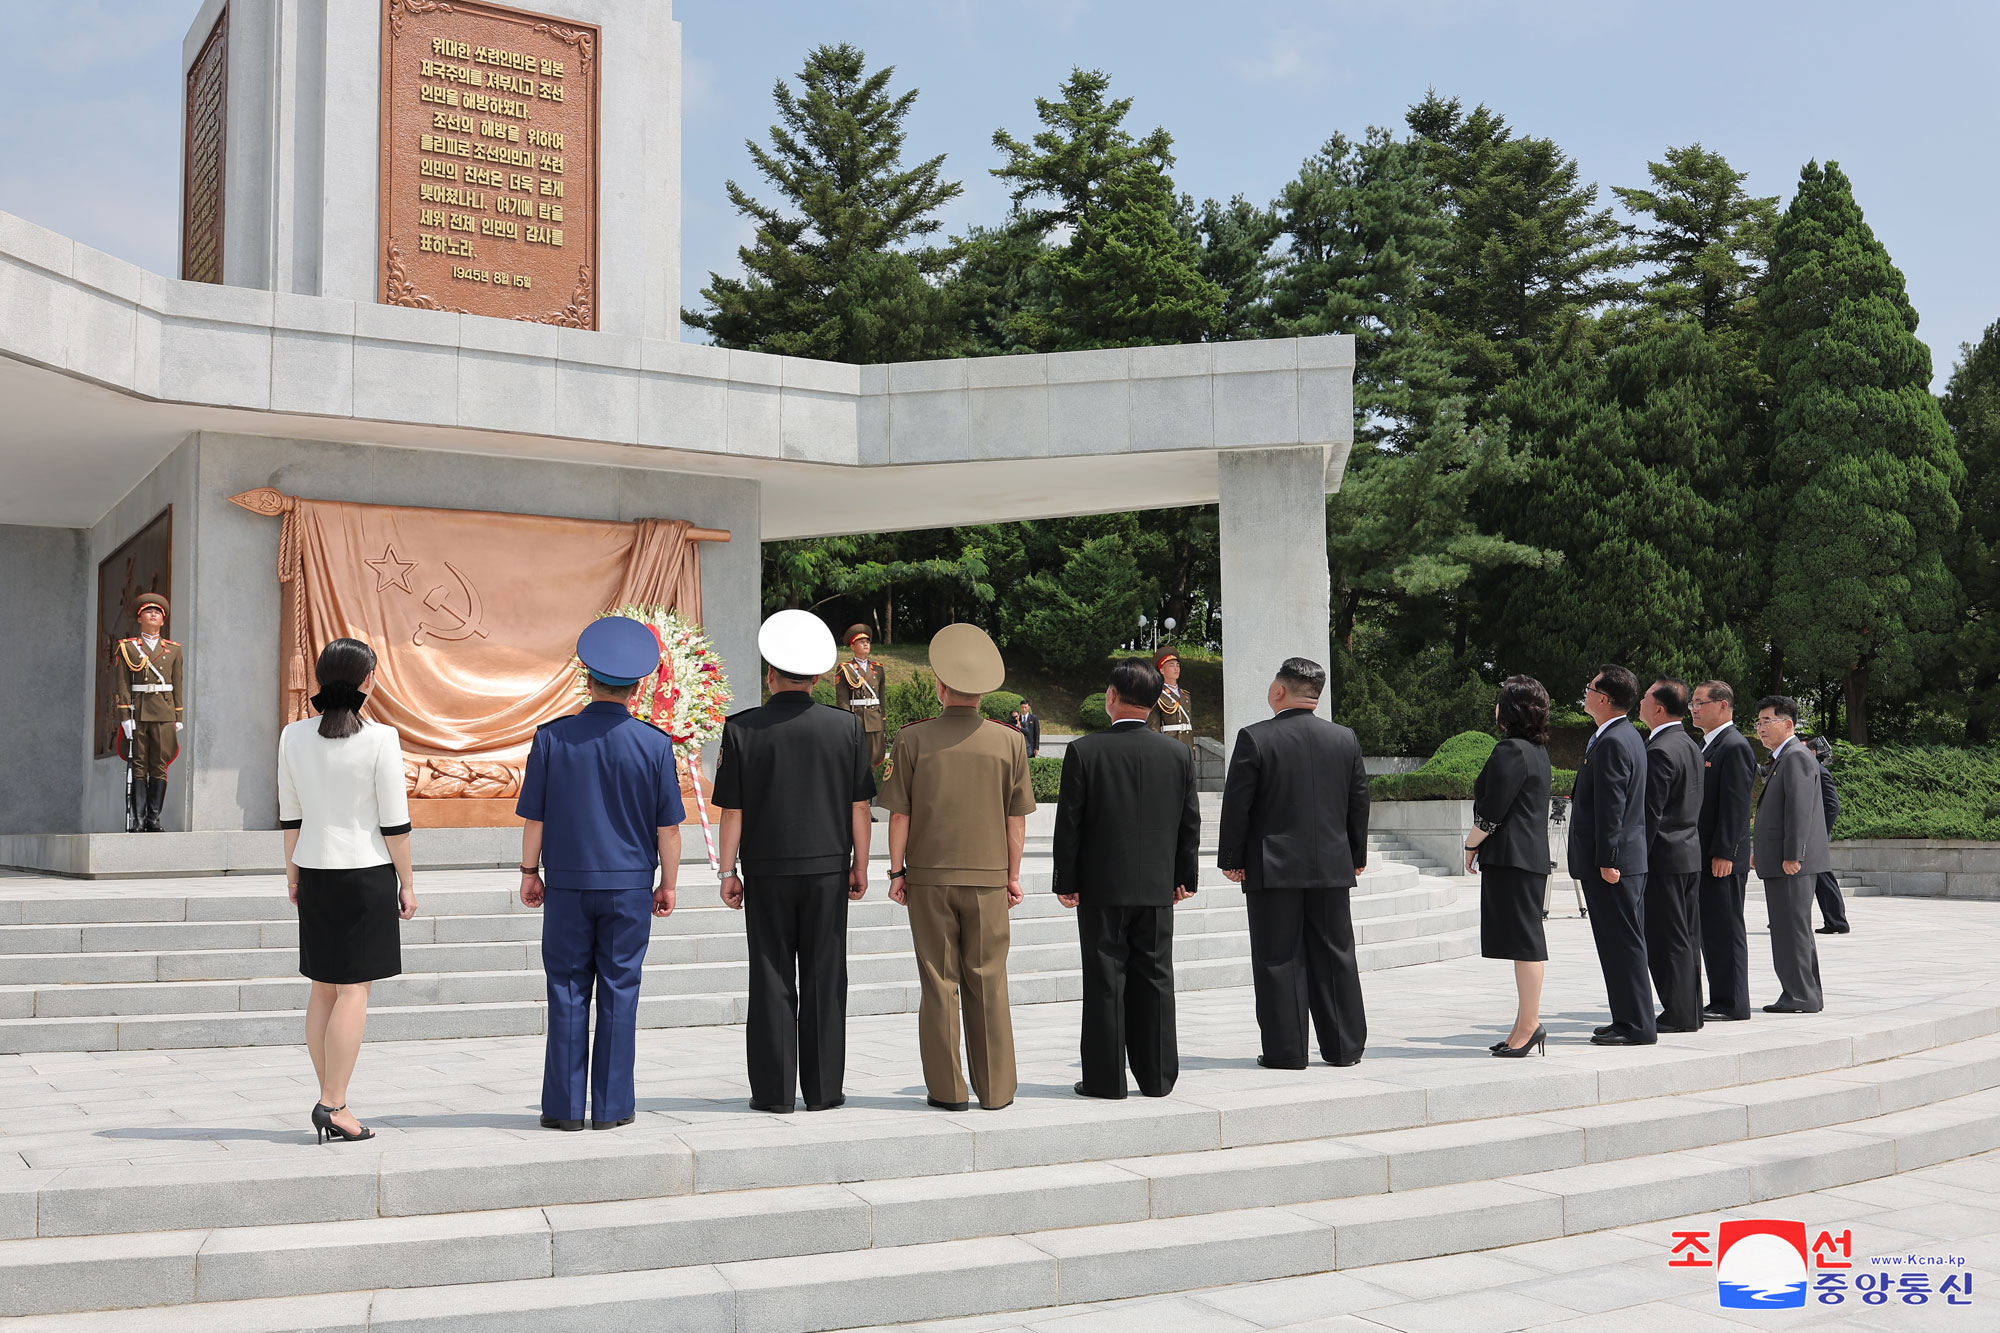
1510 843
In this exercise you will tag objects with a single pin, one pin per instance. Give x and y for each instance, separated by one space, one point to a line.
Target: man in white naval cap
793 784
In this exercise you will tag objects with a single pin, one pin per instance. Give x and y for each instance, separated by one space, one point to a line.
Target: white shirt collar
1781 746
1616 717
1714 733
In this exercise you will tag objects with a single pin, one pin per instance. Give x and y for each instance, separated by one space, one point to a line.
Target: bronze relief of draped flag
473 616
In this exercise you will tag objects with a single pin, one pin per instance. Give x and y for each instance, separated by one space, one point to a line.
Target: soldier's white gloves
127 724
177 728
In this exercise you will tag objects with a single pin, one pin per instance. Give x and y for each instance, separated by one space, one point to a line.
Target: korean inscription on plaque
489 161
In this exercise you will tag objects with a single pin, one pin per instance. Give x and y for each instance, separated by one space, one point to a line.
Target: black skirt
1510 914
348 931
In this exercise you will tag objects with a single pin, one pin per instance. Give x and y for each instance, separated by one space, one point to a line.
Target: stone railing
1921 867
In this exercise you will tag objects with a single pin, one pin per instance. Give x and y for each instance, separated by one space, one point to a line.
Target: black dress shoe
1713 1015
1268 1063
1001 1107
1675 1027
1620 1039
948 1106
827 1106
1081 1091
1607 1028
612 1124
1787 1009
772 1108
568 1126
1347 1062
1832 930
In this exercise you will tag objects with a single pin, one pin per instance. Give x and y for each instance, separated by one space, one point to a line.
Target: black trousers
1832 907
1128 999
1618 924
1302 963
1724 950
1673 945
797 1029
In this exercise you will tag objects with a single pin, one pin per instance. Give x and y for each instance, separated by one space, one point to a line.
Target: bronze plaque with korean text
489 162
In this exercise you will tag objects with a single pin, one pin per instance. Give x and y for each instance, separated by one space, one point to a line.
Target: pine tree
1126 275
1862 464
1234 242
828 276
1972 409
1528 254
1708 240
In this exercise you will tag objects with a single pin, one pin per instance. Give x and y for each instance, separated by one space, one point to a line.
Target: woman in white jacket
346 819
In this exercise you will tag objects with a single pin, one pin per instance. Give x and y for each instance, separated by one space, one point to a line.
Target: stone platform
136 1180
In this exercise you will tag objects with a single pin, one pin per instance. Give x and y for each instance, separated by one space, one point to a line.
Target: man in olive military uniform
1173 714
958 795
147 675
860 686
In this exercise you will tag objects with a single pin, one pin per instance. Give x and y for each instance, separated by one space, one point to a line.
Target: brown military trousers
961 939
152 747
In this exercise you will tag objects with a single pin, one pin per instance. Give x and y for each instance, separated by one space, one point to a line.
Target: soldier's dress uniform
603 784
147 692
958 777
1173 715
796 770
862 689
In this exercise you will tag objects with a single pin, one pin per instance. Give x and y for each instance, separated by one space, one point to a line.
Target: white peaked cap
798 643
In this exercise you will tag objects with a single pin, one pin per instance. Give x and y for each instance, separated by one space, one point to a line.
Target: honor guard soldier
147 676
602 801
1173 715
860 686
793 784
958 795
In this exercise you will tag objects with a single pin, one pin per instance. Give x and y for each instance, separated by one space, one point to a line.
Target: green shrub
823 693
910 700
1047 775
1449 773
1091 713
998 704
1916 791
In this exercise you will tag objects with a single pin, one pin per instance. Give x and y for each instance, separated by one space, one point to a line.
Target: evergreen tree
1862 464
1234 242
1126 275
1972 409
1708 240
1528 254
827 277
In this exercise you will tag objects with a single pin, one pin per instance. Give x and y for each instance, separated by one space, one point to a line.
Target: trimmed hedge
1047 774
998 704
1917 791
1449 773
1091 712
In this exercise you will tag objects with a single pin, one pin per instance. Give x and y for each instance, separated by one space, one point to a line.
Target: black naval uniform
796 769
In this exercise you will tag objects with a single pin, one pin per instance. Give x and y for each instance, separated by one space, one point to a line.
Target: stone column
1274 579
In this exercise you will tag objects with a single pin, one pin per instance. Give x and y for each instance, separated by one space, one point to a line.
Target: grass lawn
1056 696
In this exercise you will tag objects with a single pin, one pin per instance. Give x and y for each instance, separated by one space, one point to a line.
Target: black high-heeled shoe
1539 1040
322 1118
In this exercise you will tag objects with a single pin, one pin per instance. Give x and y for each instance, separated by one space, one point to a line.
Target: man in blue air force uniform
602 803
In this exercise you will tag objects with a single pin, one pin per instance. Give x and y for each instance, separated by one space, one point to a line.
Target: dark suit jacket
1512 793
1828 797
1031 732
1730 770
1607 817
1791 817
1128 827
1295 804
1673 803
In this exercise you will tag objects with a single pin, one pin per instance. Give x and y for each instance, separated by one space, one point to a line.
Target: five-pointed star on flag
391 572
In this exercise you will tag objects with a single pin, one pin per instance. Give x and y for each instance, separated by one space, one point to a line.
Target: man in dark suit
1673 856
1826 889
1607 854
1295 836
1127 848
1031 728
1729 770
1789 853
793 782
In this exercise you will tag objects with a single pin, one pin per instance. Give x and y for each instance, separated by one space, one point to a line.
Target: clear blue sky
1903 96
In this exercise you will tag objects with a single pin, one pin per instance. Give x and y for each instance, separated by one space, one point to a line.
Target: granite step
829 1256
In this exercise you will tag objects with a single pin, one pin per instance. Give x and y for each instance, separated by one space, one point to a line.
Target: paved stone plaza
1450 1189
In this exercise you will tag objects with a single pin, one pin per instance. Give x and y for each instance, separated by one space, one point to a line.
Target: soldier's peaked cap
797 643
149 599
857 632
618 650
966 660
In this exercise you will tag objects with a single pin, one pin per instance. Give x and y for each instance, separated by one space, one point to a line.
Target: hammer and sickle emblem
466 625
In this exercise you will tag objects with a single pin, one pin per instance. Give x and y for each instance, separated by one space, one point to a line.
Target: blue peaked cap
618 650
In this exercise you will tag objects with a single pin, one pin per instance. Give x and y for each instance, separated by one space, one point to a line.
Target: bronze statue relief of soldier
147 677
